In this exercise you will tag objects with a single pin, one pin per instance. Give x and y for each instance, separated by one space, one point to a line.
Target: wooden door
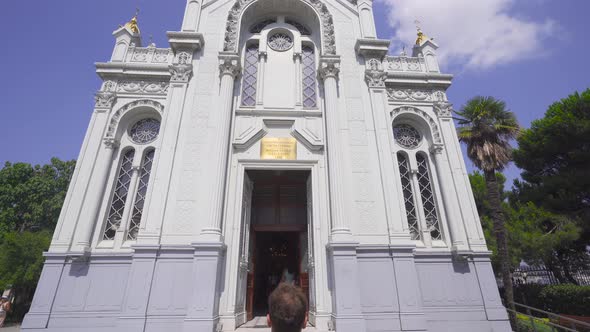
245 258
250 284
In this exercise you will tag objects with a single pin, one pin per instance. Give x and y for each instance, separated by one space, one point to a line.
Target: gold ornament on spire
132 24
421 36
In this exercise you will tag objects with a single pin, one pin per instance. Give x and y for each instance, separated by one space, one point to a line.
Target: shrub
567 299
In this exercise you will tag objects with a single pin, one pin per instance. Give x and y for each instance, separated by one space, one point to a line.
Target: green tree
31 196
554 155
486 127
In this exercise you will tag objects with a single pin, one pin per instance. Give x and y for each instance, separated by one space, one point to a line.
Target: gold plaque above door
283 148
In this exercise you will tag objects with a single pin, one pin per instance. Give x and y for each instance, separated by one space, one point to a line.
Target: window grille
404 170
406 136
309 76
257 28
145 131
250 73
428 199
144 178
302 29
117 205
280 42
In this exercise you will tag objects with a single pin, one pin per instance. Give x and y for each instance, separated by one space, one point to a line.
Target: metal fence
541 275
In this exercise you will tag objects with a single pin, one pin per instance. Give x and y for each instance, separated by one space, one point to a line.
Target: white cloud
477 34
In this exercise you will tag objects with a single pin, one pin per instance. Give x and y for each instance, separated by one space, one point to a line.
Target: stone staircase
258 324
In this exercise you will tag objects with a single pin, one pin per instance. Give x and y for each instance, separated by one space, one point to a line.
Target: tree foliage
554 155
31 196
486 126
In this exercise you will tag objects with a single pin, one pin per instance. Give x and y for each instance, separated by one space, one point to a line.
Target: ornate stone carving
181 72
434 129
399 94
229 65
375 78
143 87
437 149
104 99
184 58
111 143
329 68
121 111
443 109
233 25
109 86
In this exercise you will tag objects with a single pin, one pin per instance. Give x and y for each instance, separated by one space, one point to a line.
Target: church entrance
277 235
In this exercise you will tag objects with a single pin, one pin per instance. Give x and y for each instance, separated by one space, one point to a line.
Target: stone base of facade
374 288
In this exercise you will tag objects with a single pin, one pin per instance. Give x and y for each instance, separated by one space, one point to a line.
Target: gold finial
132 24
421 36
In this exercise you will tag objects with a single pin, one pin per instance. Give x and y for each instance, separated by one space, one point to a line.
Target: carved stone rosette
229 65
329 68
104 99
181 73
443 109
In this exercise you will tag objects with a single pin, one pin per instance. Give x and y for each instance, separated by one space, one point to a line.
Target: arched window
417 185
309 76
133 175
250 75
279 64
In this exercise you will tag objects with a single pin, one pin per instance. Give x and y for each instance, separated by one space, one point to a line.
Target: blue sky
529 53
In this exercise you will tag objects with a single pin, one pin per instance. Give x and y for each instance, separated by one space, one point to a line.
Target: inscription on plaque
284 148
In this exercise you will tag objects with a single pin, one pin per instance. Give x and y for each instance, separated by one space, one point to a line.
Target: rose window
280 42
145 131
406 136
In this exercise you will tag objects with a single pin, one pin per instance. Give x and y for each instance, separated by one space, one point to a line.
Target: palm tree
486 127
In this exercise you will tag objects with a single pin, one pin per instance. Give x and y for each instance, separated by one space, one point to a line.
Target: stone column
180 75
229 67
452 209
102 165
260 80
129 202
298 79
375 77
203 307
328 72
459 186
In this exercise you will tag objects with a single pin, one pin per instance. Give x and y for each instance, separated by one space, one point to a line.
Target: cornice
118 70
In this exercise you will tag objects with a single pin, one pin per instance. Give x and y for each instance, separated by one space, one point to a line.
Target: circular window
406 136
145 131
280 41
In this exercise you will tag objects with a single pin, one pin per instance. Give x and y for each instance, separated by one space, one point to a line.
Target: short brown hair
287 305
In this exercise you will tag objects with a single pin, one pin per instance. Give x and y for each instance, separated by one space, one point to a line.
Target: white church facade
271 137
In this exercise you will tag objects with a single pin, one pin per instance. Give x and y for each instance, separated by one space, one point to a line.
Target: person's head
287 309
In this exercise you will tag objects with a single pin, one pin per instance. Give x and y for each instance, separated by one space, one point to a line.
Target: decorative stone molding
437 149
235 13
143 87
184 58
229 64
111 143
434 129
401 94
104 99
375 76
181 73
443 109
121 111
329 67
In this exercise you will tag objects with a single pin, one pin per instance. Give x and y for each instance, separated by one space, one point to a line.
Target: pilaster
412 317
328 73
184 45
137 293
346 297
